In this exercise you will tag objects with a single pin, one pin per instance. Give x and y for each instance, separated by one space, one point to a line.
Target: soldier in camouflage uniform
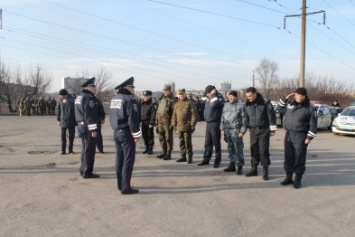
233 127
184 120
42 106
163 117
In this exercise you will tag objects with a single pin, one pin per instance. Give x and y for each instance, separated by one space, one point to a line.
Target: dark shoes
160 156
297 183
91 176
71 152
265 173
253 171
204 162
63 153
230 168
130 191
216 164
288 180
167 156
240 170
182 159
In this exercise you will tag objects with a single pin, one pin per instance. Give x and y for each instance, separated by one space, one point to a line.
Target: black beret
209 88
129 82
234 93
63 92
147 93
301 91
90 82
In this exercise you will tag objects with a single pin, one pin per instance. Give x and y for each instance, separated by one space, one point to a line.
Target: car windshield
350 111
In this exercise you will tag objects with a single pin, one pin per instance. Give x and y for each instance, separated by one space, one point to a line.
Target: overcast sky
193 43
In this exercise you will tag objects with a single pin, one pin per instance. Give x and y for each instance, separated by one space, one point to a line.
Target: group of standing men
39 106
230 120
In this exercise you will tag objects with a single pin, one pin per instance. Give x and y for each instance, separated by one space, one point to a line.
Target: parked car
352 103
279 117
344 123
324 119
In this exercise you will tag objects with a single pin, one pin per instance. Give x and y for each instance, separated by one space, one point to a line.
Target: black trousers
213 138
88 149
71 131
125 157
295 152
147 134
259 146
99 143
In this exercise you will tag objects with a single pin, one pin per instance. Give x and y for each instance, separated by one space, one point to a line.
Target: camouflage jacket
184 115
233 117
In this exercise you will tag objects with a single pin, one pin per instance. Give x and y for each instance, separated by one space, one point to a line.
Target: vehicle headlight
335 122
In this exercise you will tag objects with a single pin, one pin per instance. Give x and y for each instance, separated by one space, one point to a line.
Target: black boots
146 150
150 150
288 180
265 173
230 168
253 171
240 170
182 159
161 155
167 156
297 183
204 162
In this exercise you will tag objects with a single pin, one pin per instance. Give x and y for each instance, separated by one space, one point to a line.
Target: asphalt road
42 194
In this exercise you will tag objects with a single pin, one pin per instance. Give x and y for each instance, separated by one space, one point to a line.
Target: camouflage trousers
235 147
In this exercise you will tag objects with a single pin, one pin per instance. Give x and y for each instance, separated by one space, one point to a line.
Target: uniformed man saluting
124 120
87 117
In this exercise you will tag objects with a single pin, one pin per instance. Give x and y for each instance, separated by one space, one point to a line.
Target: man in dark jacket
213 114
124 120
301 127
261 121
66 119
148 109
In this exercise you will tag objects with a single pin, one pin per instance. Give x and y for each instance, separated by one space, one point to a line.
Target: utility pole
303 38
253 81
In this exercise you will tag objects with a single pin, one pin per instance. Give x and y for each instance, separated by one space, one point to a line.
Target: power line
339 13
215 14
130 26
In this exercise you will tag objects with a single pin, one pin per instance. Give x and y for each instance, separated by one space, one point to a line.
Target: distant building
225 87
73 85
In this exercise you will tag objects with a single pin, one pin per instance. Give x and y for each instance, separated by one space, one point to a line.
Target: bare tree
103 83
267 72
13 87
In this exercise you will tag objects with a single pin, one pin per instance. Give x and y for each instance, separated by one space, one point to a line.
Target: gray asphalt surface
42 193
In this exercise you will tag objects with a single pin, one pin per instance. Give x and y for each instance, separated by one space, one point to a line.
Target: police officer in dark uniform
102 116
261 121
124 120
301 127
87 117
66 119
213 115
148 110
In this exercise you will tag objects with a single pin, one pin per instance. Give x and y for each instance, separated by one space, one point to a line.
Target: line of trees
16 84
323 89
